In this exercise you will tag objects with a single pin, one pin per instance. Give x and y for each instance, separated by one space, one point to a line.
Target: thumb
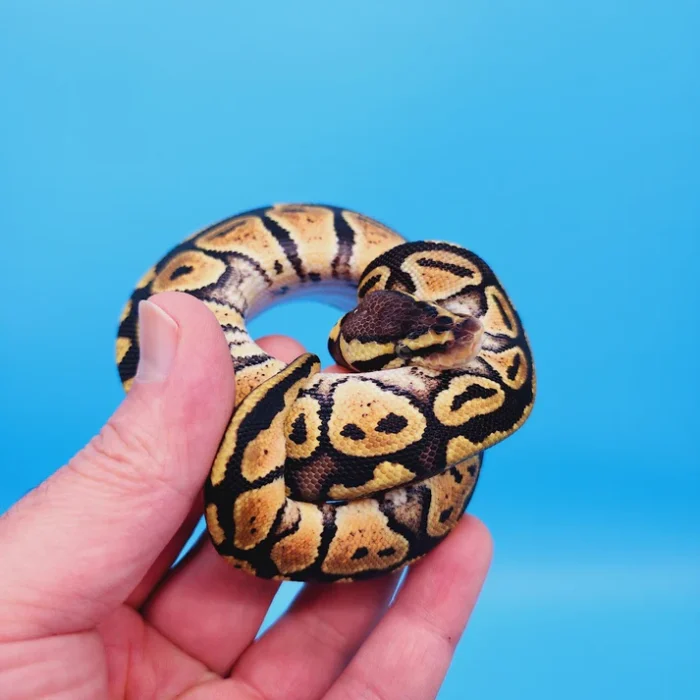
76 546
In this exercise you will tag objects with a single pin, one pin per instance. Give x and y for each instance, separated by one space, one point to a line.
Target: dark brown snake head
391 329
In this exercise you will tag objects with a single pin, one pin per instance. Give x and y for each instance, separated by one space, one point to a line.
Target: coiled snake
341 477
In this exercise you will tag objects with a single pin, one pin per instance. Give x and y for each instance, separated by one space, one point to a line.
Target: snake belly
343 477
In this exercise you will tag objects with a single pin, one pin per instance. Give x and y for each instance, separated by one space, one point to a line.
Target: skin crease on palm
91 608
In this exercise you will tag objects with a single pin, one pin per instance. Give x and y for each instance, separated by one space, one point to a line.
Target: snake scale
342 477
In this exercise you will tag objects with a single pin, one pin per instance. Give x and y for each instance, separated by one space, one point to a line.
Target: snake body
342 477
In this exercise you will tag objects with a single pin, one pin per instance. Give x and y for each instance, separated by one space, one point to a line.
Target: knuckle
121 454
326 634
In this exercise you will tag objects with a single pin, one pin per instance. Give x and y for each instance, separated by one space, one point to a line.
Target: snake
341 477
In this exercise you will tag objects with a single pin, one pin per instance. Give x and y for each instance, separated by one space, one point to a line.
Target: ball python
343 477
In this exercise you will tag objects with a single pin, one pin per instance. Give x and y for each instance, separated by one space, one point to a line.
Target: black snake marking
330 477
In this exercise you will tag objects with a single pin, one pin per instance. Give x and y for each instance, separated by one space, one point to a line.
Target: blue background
560 141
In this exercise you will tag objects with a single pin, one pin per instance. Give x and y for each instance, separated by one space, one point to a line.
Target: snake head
391 329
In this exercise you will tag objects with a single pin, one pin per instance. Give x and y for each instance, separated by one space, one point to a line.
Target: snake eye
414 334
403 351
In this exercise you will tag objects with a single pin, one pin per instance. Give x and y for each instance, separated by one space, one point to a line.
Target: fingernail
158 335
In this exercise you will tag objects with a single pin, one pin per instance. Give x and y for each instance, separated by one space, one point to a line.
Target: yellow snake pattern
342 477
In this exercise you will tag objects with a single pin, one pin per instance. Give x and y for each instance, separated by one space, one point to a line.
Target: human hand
89 604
